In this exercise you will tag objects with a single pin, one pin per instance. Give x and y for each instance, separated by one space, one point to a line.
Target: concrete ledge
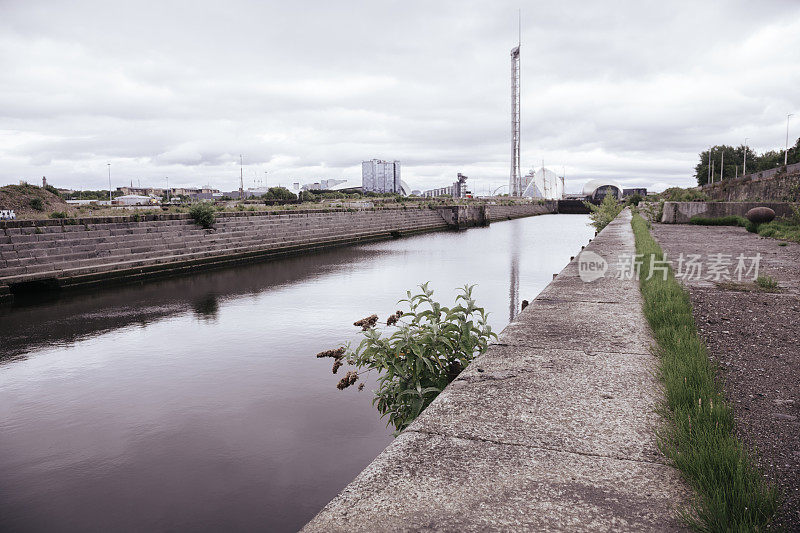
681 212
431 482
551 429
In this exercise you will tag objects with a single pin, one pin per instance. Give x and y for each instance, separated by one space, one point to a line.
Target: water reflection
207 308
513 277
196 403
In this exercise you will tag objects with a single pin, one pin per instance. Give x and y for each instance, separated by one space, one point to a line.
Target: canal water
196 403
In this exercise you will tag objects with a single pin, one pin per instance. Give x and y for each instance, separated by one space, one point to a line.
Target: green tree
603 214
734 161
279 193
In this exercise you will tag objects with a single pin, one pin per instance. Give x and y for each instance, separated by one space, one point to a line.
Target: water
196 403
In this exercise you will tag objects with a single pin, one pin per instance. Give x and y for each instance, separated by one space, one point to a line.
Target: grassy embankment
787 228
698 436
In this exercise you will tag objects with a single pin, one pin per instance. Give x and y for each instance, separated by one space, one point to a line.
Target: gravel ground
753 336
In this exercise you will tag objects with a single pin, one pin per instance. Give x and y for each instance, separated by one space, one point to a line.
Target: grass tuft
698 437
768 283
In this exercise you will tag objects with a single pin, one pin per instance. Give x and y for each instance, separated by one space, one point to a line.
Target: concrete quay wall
508 212
92 251
551 429
682 212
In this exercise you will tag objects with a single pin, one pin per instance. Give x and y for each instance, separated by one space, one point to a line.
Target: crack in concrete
560 300
530 447
587 352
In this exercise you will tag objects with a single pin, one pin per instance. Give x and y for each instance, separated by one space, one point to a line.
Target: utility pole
709 178
169 198
712 171
109 183
241 177
722 166
786 151
744 168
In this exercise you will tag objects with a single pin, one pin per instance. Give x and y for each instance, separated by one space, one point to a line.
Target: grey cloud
308 90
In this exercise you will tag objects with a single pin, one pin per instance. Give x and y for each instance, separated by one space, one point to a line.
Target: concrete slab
568 286
425 482
596 404
580 325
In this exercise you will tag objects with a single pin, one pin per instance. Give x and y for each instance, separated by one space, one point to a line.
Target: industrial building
324 185
457 190
160 191
599 189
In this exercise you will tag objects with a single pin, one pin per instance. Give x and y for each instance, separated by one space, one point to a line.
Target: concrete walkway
550 429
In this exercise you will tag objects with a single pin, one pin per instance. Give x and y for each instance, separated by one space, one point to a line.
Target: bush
677 194
279 193
36 203
634 199
653 211
203 214
431 346
52 190
58 214
603 214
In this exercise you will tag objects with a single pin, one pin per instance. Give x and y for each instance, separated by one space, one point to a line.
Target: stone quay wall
508 212
91 251
775 185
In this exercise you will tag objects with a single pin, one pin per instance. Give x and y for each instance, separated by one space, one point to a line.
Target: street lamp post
786 151
744 168
109 183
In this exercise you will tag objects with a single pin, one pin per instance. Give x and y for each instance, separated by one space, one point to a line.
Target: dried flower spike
366 323
336 365
360 386
338 353
348 379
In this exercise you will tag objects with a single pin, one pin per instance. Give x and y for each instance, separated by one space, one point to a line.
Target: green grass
767 283
787 229
698 437
731 220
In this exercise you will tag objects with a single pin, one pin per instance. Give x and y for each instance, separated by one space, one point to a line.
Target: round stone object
759 215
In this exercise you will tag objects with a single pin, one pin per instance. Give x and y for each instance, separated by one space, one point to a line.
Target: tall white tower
515 185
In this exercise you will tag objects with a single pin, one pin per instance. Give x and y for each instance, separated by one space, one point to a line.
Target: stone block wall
89 251
767 186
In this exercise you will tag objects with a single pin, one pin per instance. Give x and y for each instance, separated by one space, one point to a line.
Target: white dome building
543 183
598 189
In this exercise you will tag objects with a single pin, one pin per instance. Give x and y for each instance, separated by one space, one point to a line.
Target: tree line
727 162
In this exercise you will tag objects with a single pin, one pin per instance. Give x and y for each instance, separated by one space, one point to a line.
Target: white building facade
381 176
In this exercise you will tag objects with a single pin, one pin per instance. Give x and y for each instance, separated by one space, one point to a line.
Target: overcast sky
307 90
